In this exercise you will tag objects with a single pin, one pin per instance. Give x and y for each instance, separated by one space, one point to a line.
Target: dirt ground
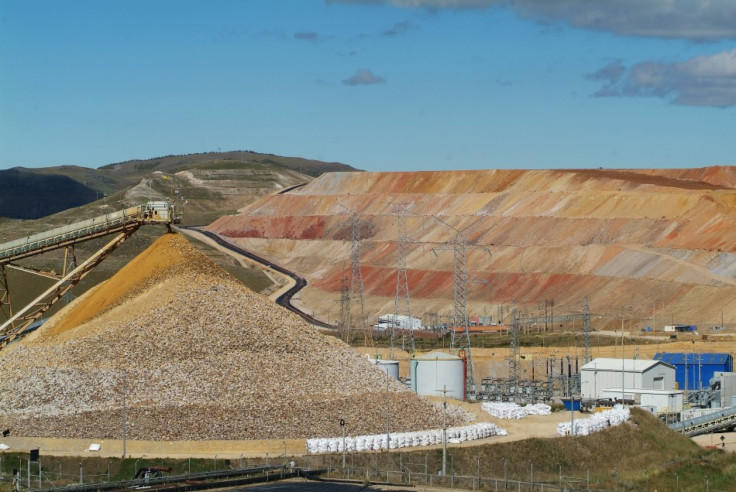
533 426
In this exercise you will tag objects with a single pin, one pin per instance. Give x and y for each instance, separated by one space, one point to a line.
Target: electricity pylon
587 350
402 278
460 243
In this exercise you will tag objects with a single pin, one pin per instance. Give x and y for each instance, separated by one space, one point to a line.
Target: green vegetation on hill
39 192
28 195
225 160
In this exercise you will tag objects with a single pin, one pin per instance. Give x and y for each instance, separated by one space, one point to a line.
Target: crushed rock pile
195 355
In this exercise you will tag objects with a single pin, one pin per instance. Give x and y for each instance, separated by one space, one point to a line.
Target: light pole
125 414
560 465
444 435
342 424
531 473
623 367
388 414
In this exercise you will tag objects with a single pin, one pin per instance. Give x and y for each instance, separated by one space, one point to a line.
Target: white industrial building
657 401
399 322
627 375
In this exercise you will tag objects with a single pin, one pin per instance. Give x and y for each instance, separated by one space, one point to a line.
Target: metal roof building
640 374
694 370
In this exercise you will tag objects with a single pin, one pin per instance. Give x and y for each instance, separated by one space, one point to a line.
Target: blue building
694 370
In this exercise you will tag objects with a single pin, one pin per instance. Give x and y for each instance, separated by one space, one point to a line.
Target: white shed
635 374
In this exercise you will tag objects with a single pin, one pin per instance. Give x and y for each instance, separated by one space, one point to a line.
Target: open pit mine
172 348
657 245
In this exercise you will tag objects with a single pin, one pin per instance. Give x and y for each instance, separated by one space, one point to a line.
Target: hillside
208 184
25 194
651 246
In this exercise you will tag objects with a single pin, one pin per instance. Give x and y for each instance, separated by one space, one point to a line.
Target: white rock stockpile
196 356
378 442
509 410
595 423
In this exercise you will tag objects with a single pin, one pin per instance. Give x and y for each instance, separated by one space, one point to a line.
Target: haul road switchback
123 223
285 298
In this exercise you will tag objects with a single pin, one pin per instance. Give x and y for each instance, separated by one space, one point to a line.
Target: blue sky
380 85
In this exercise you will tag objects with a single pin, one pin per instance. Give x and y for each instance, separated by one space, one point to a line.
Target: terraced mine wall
656 245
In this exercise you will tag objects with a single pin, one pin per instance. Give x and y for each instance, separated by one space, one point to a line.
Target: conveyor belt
74 233
122 223
717 421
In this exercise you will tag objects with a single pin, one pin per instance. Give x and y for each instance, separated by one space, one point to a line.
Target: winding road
284 298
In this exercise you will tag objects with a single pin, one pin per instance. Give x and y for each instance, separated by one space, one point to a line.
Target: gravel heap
195 355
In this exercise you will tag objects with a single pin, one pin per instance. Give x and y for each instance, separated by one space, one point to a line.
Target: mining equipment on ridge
122 223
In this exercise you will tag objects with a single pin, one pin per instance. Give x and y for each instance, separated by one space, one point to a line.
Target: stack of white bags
404 439
597 422
508 410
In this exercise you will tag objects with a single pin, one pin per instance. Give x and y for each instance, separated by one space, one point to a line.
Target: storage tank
435 371
390 367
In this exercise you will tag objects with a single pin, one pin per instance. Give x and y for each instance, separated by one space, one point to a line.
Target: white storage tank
433 372
391 367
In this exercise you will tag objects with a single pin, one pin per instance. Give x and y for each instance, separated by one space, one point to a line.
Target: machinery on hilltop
122 223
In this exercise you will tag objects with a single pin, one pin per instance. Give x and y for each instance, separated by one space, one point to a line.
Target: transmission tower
514 353
459 245
402 279
355 288
587 351
356 273
345 322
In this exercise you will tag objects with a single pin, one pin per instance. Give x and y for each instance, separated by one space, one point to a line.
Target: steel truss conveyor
123 223
717 421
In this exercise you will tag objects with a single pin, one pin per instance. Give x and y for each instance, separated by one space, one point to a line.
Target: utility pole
125 413
444 432
388 414
342 424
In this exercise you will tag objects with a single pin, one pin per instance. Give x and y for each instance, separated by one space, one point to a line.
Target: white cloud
363 77
706 80
701 20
